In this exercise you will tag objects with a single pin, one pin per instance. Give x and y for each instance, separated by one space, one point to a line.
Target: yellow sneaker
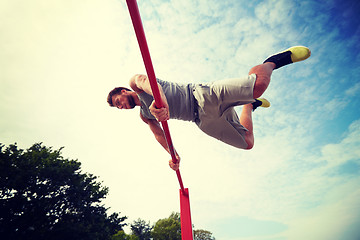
260 102
291 55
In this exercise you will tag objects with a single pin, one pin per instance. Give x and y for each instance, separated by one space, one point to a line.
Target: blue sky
60 58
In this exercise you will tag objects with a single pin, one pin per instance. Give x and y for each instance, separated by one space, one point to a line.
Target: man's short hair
114 92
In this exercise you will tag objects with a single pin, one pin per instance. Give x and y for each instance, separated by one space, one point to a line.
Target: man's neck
136 98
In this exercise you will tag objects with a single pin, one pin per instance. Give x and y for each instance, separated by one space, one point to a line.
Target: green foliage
141 229
203 235
133 237
44 196
168 228
121 235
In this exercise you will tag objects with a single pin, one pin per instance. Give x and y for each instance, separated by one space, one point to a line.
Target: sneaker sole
299 53
265 103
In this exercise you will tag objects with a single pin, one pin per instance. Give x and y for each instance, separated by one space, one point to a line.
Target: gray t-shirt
180 99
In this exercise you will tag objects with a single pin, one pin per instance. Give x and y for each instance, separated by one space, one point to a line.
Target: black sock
256 104
280 59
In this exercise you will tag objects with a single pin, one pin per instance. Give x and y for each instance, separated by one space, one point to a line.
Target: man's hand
174 166
161 114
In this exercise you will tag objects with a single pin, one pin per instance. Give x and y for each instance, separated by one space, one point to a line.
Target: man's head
121 98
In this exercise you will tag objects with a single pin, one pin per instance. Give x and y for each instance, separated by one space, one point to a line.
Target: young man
209 105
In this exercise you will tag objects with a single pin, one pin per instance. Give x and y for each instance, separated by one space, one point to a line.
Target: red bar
140 35
185 216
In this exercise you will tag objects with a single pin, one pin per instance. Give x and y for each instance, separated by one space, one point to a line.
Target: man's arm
160 137
140 83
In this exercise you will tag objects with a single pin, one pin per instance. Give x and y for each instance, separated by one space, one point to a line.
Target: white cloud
353 90
336 154
323 202
274 13
332 219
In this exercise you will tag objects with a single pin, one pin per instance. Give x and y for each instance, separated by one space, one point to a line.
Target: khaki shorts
216 114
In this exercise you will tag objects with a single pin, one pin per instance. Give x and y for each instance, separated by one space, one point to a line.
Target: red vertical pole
185 216
140 34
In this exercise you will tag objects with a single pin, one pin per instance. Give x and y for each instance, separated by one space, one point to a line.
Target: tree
141 229
203 235
121 235
44 196
168 228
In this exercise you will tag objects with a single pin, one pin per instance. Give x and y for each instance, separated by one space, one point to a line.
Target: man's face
124 100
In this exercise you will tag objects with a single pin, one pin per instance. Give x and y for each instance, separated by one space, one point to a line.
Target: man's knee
250 146
261 84
250 143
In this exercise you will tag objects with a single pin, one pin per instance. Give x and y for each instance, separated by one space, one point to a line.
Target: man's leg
246 121
263 74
